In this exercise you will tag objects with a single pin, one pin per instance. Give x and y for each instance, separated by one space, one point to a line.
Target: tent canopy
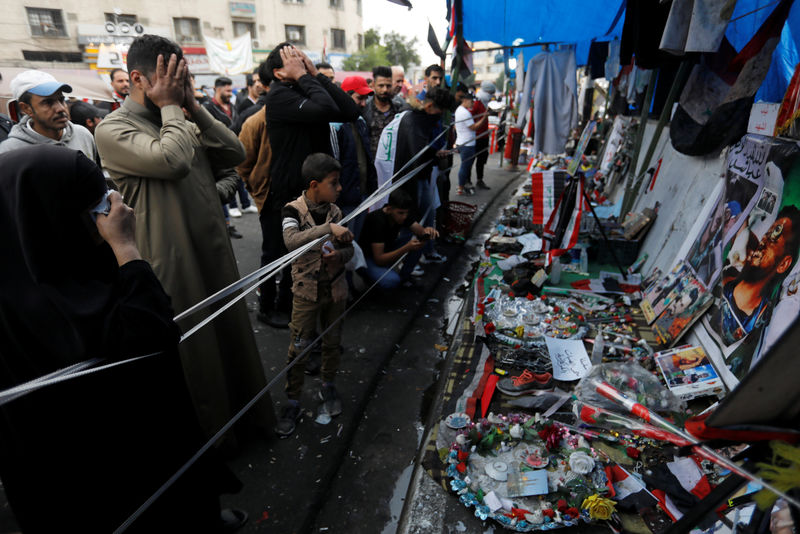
515 22
578 22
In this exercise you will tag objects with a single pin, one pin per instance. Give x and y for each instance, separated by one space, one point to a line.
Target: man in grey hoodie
41 98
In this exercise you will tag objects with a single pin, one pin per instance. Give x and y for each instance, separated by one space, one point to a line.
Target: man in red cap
351 146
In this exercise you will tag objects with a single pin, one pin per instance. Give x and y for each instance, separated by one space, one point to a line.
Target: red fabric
479 112
696 426
488 392
488 370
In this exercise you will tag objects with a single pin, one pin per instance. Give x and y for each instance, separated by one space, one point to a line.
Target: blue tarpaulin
517 22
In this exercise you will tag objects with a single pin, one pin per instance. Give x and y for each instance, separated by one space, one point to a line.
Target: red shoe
527 382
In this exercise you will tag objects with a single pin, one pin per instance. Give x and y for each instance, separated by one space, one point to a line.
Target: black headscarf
82 455
56 276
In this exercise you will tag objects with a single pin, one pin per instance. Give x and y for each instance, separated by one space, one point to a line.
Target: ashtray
497 470
457 420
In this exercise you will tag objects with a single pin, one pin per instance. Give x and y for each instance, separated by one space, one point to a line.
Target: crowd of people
308 150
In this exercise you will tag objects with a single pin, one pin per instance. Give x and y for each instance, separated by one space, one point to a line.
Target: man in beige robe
173 171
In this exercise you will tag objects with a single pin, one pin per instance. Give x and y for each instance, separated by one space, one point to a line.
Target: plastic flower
598 507
581 463
489 328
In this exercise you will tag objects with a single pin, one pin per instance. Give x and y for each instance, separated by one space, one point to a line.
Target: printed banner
230 57
757 293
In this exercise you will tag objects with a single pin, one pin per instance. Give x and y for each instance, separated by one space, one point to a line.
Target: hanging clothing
641 34
696 25
552 79
598 53
84 454
612 65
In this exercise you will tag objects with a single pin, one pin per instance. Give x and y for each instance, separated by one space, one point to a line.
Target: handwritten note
569 357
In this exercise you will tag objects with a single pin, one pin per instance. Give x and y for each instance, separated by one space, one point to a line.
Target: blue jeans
467 154
242 196
393 279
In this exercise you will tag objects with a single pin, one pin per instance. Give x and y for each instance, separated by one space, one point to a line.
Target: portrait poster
705 256
756 295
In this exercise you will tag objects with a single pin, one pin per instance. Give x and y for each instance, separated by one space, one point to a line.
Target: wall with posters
683 187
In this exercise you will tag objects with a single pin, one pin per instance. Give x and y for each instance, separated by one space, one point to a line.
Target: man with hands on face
300 104
174 172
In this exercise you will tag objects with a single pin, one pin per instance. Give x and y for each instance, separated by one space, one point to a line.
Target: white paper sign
763 117
569 357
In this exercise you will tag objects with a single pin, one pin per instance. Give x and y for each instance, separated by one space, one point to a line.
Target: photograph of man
747 299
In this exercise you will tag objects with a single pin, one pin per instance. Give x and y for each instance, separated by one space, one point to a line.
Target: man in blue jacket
350 142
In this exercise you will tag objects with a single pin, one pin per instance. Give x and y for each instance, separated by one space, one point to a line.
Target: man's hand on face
309 65
190 103
293 65
169 85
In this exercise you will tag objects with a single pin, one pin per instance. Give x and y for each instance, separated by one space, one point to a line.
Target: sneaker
470 190
482 185
250 209
288 420
234 212
275 319
418 271
233 233
331 403
460 191
434 257
527 382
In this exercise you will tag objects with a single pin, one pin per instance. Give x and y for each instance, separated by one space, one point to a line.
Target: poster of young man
705 256
760 251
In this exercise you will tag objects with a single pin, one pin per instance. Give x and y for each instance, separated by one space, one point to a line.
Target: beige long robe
165 168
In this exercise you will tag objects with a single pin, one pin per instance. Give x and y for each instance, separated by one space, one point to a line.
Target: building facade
36 34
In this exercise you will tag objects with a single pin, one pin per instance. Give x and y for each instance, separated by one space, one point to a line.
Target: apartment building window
337 36
187 30
46 22
241 28
360 40
52 56
358 7
119 19
337 4
296 34
293 1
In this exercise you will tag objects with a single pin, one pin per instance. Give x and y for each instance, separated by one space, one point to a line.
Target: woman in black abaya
84 454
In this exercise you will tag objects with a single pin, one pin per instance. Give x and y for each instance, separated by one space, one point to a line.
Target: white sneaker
250 209
432 258
234 212
418 271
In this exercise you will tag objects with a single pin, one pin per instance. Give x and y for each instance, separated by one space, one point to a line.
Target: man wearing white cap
41 98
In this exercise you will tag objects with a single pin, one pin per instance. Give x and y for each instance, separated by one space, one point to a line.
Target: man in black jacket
300 105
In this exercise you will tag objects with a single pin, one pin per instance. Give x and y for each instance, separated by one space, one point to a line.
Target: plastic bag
634 382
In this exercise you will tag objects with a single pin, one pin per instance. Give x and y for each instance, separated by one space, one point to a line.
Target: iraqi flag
679 485
561 230
546 189
629 492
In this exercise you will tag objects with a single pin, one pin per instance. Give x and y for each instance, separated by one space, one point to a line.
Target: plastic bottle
555 271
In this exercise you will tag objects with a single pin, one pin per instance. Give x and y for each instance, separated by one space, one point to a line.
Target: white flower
516 431
581 463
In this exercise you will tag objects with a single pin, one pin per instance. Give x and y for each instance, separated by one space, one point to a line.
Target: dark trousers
242 196
482 151
272 248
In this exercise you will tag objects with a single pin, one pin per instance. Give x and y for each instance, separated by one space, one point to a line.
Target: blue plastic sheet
516 22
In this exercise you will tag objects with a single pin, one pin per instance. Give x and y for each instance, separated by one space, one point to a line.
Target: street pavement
352 474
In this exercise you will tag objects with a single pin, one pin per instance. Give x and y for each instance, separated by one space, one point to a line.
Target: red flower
489 300
489 328
481 308
551 436
549 513
573 512
461 468
633 452
561 505
511 294
518 513
530 296
462 455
